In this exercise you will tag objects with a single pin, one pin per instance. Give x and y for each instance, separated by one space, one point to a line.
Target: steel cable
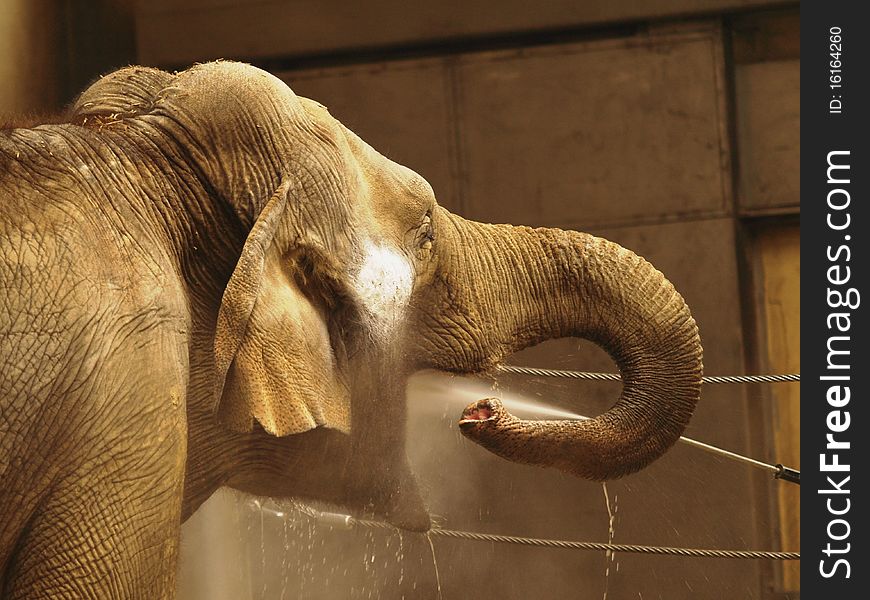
616 377
598 546
341 521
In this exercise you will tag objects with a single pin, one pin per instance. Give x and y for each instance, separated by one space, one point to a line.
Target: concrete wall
51 49
663 126
32 69
178 32
666 126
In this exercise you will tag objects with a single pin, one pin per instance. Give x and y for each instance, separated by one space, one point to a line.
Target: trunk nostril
478 411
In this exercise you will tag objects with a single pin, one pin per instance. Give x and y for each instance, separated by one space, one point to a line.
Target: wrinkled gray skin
208 281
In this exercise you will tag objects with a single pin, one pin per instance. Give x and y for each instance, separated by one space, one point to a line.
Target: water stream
610 557
438 389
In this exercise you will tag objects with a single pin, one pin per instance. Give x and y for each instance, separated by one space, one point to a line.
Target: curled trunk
569 284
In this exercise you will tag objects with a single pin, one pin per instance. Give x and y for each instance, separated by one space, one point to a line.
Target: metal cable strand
615 376
753 378
600 546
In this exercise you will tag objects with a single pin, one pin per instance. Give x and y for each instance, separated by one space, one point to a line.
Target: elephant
209 281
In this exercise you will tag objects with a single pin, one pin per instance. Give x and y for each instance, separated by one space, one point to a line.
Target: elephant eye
425 235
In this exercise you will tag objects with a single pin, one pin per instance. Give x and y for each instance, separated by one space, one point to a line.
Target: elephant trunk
555 283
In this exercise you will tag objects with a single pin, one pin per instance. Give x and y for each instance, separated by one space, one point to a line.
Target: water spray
778 470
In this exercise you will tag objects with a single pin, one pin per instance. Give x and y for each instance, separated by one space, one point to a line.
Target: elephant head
332 274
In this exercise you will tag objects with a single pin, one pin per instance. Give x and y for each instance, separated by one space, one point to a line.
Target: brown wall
776 271
179 32
31 47
670 127
51 49
667 126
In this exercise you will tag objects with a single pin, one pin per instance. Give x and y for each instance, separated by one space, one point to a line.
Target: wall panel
174 33
767 95
599 133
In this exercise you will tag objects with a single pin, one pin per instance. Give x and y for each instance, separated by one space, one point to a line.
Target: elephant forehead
391 179
234 98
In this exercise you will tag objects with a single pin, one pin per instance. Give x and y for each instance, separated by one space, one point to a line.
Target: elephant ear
273 357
